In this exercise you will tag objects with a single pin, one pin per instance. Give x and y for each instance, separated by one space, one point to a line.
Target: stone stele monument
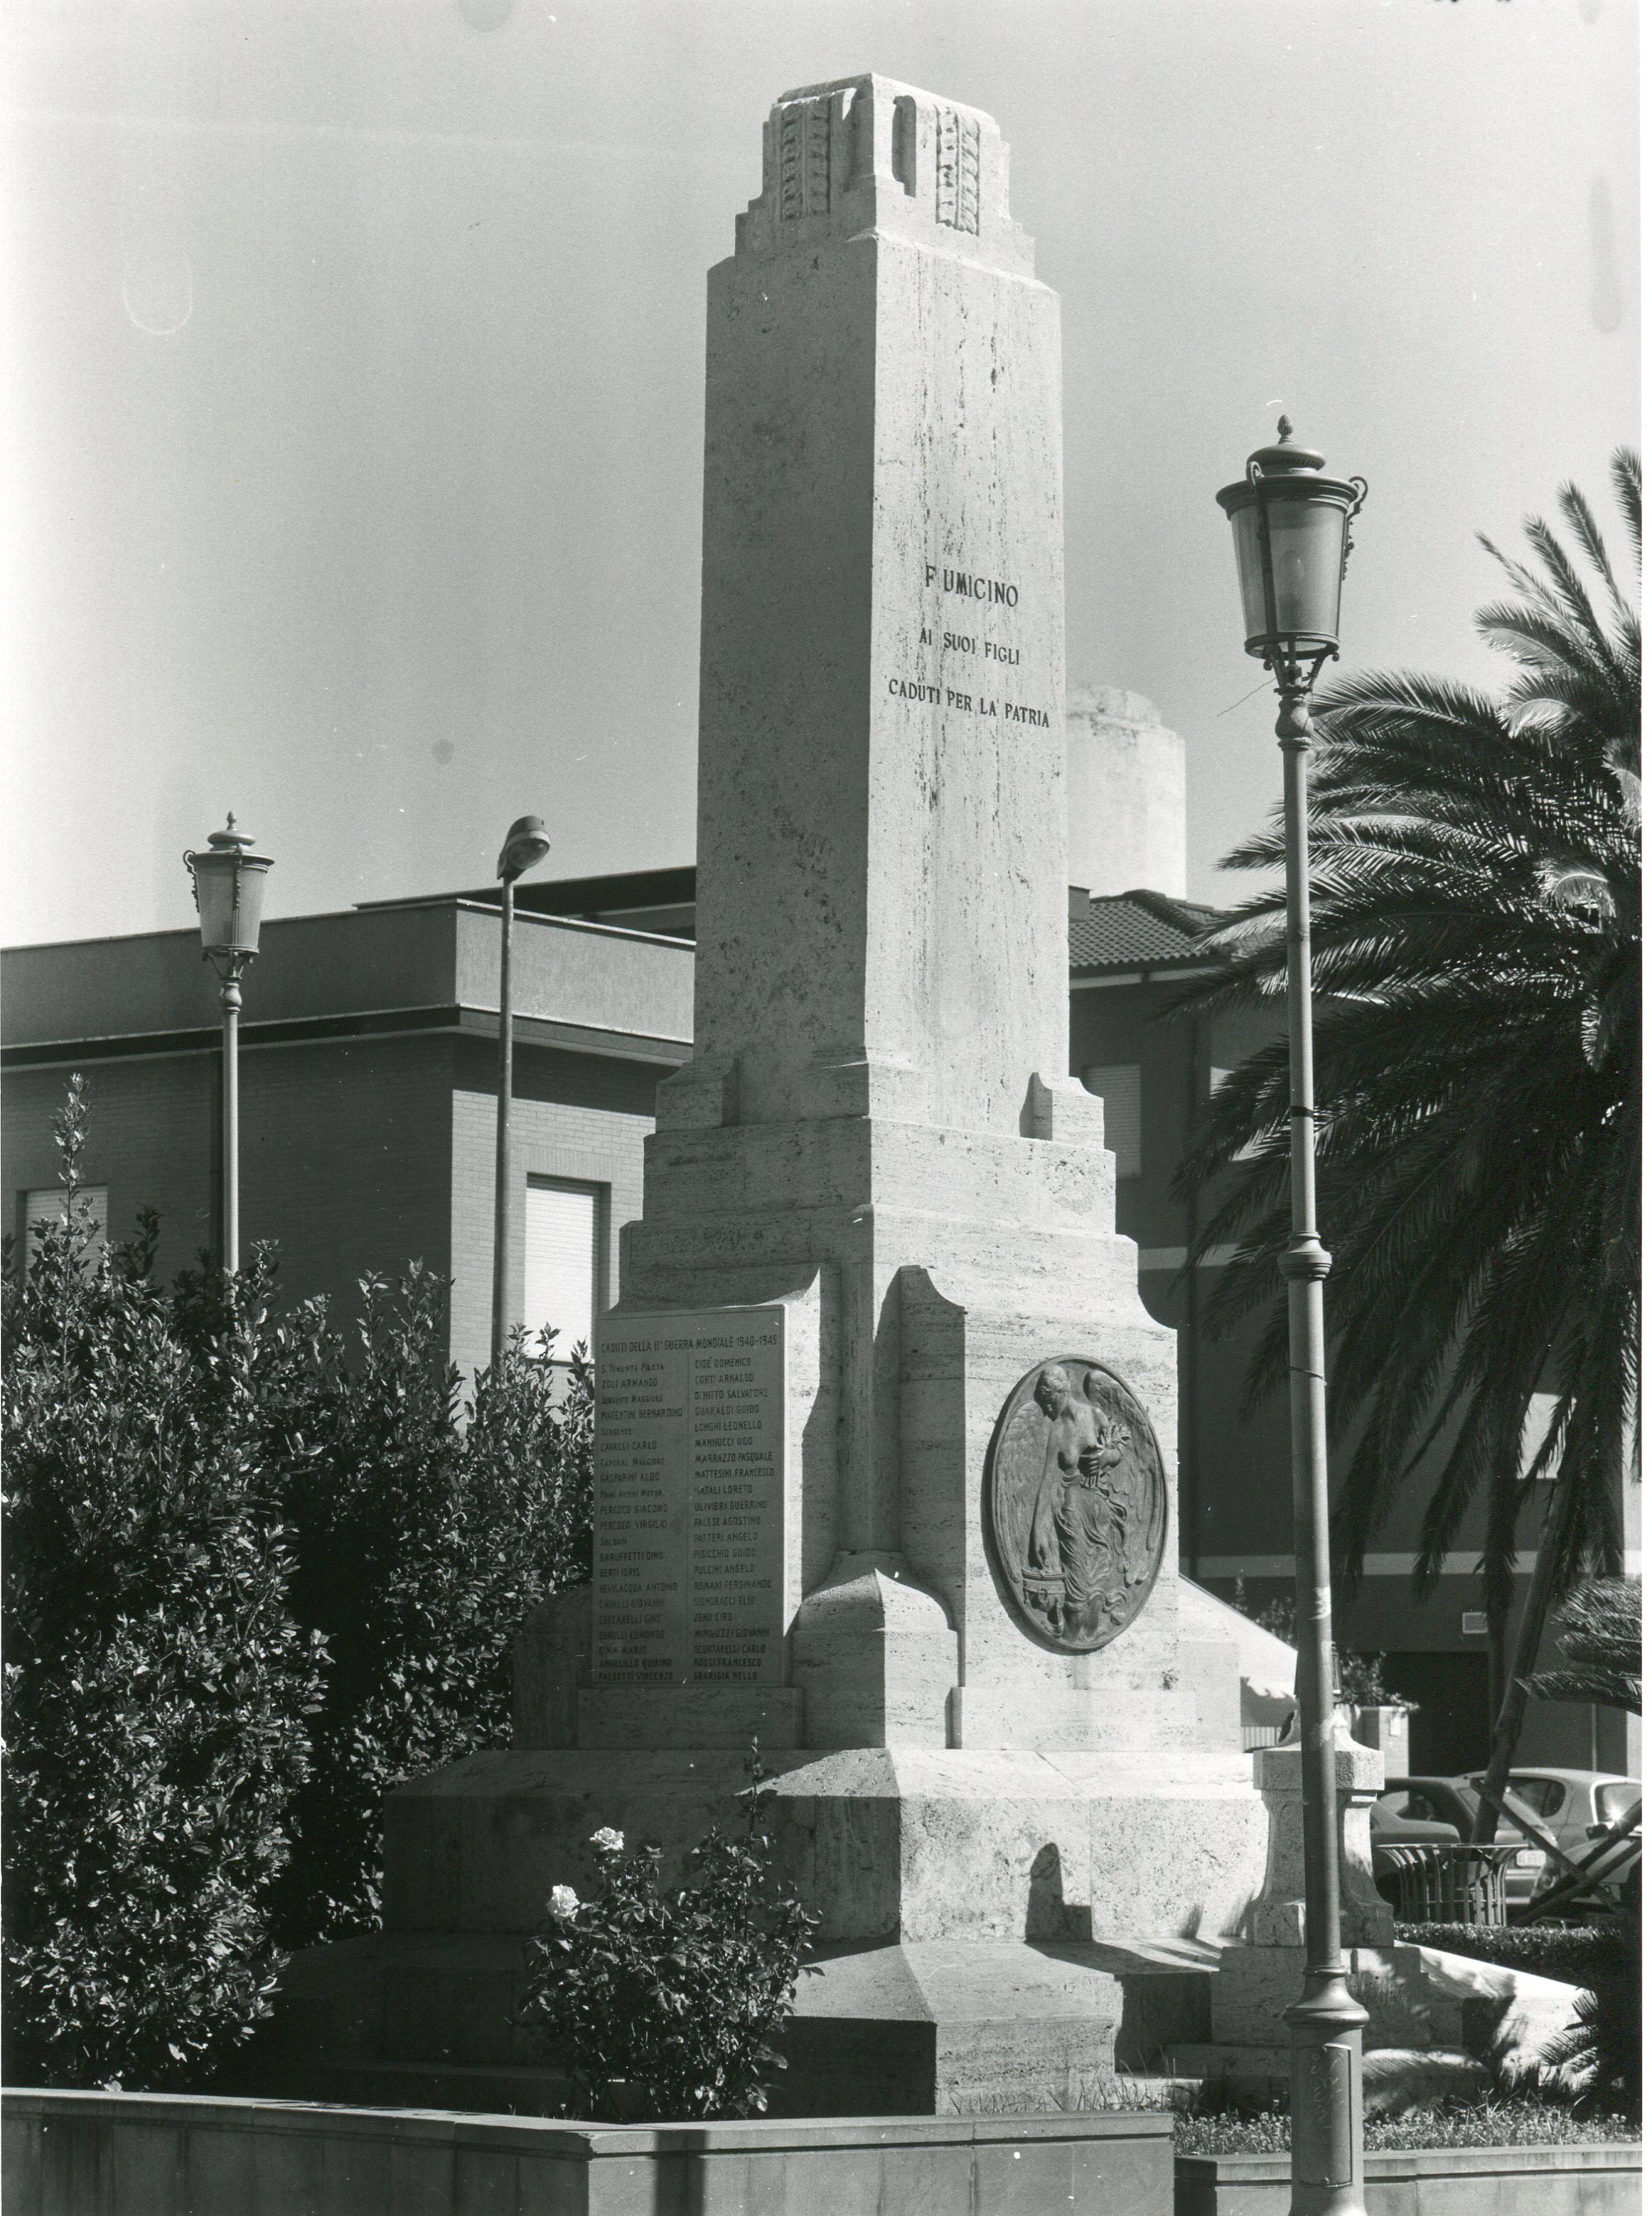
886 1439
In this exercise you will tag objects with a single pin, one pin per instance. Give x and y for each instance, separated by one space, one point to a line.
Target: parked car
1419 1811
1579 1806
1392 1826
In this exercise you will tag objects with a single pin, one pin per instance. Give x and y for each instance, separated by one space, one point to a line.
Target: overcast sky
355 402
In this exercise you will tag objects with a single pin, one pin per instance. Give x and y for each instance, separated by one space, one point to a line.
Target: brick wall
345 1152
581 1116
152 1138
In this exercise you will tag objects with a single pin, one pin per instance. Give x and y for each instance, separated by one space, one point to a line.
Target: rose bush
670 1998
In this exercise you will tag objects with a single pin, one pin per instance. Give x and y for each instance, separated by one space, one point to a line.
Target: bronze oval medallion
1075 1505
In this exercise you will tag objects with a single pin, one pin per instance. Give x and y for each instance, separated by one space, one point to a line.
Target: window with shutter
1120 1086
562 1263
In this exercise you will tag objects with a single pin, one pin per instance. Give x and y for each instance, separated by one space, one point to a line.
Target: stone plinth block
873 1657
886 1842
1279 1917
550 1662
941 2026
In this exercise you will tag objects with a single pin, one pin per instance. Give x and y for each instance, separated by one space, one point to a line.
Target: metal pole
1326 2096
230 998
502 1148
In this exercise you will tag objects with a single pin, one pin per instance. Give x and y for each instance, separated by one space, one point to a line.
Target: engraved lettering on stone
1075 1500
688 1565
958 170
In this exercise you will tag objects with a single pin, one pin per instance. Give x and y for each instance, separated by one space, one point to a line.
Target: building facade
370 1042
368 1095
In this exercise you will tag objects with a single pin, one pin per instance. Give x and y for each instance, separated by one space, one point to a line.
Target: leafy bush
1604 2041
1360 1675
156 1684
1605 2037
426 1532
671 1997
254 1577
1548 1950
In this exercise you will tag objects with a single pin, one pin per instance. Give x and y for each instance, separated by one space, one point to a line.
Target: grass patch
1493 2123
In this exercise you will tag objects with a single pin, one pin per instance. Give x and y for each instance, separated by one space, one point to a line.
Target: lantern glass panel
231 890
1248 550
1307 544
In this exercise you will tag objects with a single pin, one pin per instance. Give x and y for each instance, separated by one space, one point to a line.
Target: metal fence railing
1451 1884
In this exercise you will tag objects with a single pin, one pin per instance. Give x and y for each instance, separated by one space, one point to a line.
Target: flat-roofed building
369 1044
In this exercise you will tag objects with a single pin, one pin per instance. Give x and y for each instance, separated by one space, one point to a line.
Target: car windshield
1617 1801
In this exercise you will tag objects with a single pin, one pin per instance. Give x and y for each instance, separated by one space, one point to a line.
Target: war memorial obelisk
886 1468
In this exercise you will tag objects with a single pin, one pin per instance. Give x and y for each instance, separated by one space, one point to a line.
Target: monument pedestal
996 1927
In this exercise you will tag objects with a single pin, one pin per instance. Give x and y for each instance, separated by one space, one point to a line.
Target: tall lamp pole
525 845
1291 538
229 886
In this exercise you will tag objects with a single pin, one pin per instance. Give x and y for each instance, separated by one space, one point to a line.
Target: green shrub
426 1531
670 1998
156 1683
1604 2041
254 1577
1549 1950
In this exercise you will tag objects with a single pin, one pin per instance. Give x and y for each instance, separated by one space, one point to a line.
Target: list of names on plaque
689 1562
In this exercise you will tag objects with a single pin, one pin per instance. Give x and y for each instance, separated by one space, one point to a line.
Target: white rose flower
565 1902
608 1841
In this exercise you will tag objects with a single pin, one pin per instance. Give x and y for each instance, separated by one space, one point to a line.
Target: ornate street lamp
1291 534
526 844
229 887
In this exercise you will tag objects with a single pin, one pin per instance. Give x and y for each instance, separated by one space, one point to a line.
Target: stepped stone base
977 1944
915 1843
934 2027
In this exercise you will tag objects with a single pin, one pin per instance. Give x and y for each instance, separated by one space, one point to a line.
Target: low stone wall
138 2154
1564 2181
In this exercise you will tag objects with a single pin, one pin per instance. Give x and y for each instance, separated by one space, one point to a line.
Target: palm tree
1476 902
1597 1628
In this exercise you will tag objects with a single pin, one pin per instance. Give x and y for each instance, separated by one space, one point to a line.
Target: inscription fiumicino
689 1538
935 691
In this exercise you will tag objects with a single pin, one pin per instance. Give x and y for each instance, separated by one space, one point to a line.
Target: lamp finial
1286 429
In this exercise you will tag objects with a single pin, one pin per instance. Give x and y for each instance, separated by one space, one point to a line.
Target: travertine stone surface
895 1841
873 1657
877 1142
881 835
1279 1916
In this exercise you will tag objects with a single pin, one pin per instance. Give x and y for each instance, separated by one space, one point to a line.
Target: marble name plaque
688 1576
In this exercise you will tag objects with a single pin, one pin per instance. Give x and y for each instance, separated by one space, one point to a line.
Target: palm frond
1477 1042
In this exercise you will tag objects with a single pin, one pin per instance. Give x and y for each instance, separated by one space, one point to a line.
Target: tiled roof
1137 930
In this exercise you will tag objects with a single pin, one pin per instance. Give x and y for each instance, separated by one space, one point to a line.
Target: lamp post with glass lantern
526 844
229 888
1291 535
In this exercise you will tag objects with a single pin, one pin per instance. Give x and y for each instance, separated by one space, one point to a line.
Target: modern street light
229 888
1291 534
526 844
